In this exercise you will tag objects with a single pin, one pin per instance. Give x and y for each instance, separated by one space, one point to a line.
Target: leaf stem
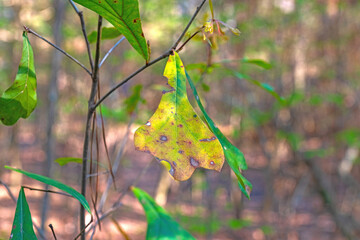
49 191
57 48
111 49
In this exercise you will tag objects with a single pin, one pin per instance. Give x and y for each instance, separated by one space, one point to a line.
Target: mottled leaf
65 160
56 184
233 155
106 33
22 227
175 134
160 224
124 16
20 99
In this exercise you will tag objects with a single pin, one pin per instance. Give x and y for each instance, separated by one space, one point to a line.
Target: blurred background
285 91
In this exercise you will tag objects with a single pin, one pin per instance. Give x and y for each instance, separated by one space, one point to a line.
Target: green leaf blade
20 99
56 184
65 160
233 155
22 227
160 224
124 15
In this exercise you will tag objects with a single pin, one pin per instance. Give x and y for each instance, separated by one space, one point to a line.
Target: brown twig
83 29
52 230
29 30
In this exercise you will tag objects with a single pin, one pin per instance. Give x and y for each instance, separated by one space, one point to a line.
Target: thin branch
181 47
111 49
188 25
52 230
83 29
49 191
164 55
57 48
95 79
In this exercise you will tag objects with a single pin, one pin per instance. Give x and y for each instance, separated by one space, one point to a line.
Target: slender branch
111 49
95 79
83 29
164 55
188 25
52 230
57 48
49 191
181 47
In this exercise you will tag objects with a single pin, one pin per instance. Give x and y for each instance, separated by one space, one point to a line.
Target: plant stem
58 48
91 102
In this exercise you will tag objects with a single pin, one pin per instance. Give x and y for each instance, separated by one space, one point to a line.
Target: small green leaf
22 227
175 134
161 226
56 184
133 101
258 62
65 160
20 99
106 33
268 88
125 17
233 155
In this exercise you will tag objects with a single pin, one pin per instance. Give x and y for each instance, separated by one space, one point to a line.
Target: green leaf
258 62
20 99
268 88
175 134
160 224
65 160
106 33
56 184
233 155
22 227
125 17
133 101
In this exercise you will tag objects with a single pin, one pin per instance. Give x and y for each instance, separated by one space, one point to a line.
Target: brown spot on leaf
181 151
208 139
193 162
195 116
180 125
212 163
163 138
142 34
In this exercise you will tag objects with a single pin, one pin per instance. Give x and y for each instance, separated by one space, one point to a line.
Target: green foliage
294 139
239 223
56 184
160 224
22 228
350 137
258 62
125 17
132 102
65 160
106 33
175 134
233 155
20 99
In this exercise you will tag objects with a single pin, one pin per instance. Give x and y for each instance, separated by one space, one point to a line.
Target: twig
52 230
121 230
57 48
95 79
83 29
164 55
188 25
110 50
181 47
49 191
